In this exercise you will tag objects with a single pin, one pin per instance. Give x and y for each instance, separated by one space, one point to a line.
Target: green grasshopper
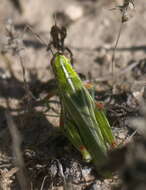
82 121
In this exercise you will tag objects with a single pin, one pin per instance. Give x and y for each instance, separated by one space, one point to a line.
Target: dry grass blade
16 147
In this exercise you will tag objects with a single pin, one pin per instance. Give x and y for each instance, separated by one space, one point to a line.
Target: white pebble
74 12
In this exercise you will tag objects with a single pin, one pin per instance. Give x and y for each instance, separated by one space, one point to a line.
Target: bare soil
34 154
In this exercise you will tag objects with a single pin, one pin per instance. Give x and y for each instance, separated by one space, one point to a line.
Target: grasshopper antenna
36 35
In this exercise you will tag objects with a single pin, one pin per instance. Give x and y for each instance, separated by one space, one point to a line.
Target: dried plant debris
12 41
6 178
134 173
134 170
140 70
124 9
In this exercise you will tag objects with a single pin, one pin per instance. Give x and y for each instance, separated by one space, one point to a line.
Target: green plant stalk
81 109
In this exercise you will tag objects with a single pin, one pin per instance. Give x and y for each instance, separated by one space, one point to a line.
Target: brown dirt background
92 30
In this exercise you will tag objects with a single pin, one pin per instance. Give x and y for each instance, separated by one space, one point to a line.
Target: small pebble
74 12
122 135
